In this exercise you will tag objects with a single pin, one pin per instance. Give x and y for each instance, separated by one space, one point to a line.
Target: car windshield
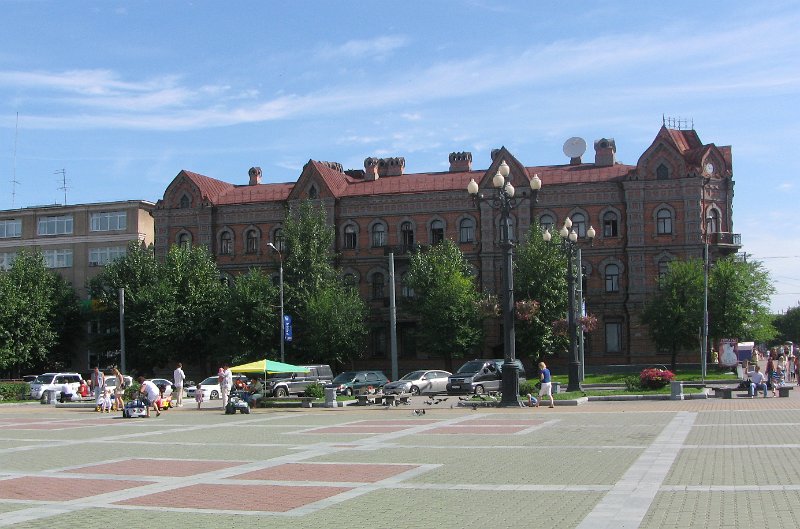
471 367
210 381
414 375
347 376
44 379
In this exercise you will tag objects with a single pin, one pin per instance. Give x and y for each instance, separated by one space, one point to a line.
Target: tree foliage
540 274
335 315
251 325
446 302
40 319
788 325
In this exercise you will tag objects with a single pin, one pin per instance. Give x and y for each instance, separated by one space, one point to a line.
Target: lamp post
280 282
569 244
503 200
706 265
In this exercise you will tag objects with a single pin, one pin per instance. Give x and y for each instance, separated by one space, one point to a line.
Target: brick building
645 216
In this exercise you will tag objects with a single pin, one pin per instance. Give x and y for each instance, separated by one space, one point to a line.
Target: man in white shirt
67 393
150 392
225 384
98 383
178 377
757 382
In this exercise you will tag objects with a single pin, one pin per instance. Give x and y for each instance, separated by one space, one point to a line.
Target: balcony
404 249
726 242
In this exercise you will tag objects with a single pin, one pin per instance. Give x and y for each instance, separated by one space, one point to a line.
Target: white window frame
59 258
7 259
105 255
59 225
108 221
10 228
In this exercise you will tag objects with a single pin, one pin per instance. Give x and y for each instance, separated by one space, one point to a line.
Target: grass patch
572 395
685 375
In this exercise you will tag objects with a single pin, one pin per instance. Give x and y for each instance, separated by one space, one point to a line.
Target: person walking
98 384
178 377
119 390
226 381
150 393
547 387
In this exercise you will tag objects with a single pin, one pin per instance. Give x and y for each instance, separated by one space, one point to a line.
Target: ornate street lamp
503 200
569 244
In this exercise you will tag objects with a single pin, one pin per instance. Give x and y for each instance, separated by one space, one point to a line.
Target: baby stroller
134 408
236 402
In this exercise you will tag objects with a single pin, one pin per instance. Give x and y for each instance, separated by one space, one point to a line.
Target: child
532 402
198 396
105 397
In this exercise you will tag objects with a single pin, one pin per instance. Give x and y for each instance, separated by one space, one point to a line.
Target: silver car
421 382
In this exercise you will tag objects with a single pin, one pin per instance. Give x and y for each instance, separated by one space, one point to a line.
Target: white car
163 383
54 381
111 381
210 387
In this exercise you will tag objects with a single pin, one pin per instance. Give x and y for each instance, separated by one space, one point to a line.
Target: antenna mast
14 182
63 173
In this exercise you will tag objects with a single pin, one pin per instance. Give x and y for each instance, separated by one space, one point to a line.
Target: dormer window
662 172
185 202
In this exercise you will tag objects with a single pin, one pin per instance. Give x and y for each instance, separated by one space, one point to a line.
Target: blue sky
123 95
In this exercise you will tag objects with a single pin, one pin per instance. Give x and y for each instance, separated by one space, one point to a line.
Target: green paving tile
728 510
9 507
755 416
734 466
751 435
616 418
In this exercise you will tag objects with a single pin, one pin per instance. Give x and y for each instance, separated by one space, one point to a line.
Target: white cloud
358 49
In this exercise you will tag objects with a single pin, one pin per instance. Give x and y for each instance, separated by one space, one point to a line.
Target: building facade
645 216
76 241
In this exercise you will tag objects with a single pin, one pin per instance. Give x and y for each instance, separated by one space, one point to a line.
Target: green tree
335 316
446 302
674 315
738 301
788 325
40 321
540 274
251 319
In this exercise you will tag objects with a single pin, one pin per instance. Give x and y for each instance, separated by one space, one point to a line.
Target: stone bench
305 402
396 399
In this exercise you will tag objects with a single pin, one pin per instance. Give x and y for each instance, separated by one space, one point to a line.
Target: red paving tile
64 489
269 498
502 422
327 472
155 467
411 422
358 429
486 430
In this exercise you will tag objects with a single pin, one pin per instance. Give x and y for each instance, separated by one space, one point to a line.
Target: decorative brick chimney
370 169
255 175
605 152
460 162
391 166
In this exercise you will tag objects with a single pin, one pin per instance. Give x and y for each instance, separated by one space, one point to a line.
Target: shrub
132 391
14 390
632 383
316 390
654 378
528 387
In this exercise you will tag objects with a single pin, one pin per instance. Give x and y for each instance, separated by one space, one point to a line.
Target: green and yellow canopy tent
268 366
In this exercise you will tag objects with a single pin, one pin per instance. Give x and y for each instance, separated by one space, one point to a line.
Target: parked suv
351 382
480 376
54 381
285 384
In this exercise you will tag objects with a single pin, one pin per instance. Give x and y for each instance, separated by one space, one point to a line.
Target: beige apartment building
76 240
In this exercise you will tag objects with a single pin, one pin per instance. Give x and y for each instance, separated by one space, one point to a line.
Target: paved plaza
651 464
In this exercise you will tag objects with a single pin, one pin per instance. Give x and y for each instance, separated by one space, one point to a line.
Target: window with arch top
378 235
610 224
251 241
350 237
437 231
226 243
579 224
612 278
466 230
407 234
377 286
664 222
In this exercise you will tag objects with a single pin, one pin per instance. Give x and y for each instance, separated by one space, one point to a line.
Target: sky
110 100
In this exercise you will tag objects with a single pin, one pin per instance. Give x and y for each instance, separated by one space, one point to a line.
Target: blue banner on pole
287 328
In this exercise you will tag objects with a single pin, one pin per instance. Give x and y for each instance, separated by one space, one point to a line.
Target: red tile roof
210 188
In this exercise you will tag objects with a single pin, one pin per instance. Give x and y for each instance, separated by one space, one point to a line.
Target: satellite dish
574 147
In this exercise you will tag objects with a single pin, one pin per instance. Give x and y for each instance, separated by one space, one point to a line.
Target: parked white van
54 381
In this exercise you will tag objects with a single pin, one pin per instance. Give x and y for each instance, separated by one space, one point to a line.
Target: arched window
407 291
663 267
437 231
185 202
547 222
378 235
407 235
185 241
610 227
312 192
466 230
349 280
350 237
664 221
612 278
251 241
278 241
662 172
226 243
579 224
713 221
377 286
